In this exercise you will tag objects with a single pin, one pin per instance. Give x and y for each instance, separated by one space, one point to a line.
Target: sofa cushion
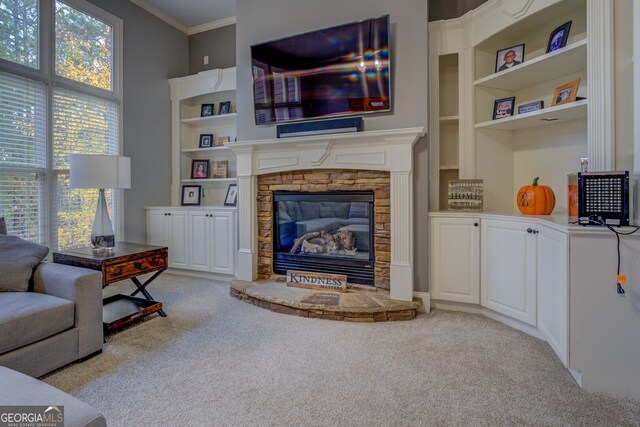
27 317
19 257
19 389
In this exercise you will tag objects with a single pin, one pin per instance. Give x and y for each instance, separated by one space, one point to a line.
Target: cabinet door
157 228
455 259
508 283
553 289
178 255
222 240
198 238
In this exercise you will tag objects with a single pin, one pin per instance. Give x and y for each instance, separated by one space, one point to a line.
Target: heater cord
619 288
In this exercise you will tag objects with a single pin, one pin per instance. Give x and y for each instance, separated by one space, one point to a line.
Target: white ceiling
192 16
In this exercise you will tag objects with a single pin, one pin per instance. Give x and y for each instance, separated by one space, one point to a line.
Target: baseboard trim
426 301
201 274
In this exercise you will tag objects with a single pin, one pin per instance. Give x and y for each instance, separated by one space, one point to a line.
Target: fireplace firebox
327 232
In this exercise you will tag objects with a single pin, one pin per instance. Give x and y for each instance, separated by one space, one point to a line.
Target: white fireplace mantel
388 150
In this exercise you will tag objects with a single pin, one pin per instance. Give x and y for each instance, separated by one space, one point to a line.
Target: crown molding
161 15
211 25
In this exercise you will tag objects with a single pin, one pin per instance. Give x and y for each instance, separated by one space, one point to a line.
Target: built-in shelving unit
552 115
188 95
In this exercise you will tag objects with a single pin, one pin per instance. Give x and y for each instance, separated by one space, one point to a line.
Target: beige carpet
219 361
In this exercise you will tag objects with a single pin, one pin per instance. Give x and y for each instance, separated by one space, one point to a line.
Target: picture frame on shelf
558 37
231 199
224 107
191 195
206 140
566 93
530 106
220 141
220 169
509 57
199 169
503 107
206 110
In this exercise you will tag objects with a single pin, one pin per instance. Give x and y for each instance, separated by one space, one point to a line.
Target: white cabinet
212 240
198 239
193 136
168 227
553 290
508 283
455 259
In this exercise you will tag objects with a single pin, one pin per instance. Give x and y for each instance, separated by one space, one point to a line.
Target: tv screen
343 70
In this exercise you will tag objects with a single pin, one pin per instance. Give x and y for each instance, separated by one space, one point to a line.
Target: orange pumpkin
536 199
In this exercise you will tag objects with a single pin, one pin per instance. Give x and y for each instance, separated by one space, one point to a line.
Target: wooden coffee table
128 261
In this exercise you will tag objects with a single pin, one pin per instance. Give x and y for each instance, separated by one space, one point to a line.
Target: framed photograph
199 169
205 140
503 107
191 195
232 195
531 106
509 57
558 37
224 107
566 93
206 110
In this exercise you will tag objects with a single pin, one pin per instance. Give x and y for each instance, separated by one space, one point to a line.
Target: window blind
82 124
23 156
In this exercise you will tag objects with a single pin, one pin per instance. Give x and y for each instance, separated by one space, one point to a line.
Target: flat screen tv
337 71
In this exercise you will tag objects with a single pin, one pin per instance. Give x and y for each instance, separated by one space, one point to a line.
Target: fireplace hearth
327 232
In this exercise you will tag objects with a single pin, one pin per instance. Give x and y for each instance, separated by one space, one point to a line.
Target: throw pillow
3 226
17 260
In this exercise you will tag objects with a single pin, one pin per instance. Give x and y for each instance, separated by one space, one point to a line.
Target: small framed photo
224 107
206 141
503 107
191 195
206 110
531 106
558 37
232 195
509 57
566 93
199 169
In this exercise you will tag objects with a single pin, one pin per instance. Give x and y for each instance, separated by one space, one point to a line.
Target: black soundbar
323 127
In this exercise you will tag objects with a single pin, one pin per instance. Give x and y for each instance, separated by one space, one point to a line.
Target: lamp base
103 238
103 245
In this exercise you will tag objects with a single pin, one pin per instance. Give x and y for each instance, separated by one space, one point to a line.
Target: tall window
57 97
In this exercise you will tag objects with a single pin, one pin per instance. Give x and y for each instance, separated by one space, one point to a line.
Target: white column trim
402 235
600 85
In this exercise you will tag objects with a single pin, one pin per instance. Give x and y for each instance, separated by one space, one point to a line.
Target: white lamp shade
99 171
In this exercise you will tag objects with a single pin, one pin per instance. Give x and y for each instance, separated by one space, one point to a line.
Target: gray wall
262 20
219 44
153 52
447 9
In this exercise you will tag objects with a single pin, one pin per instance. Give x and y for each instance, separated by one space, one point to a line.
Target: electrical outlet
206 60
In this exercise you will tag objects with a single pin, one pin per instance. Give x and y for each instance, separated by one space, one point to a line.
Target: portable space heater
602 198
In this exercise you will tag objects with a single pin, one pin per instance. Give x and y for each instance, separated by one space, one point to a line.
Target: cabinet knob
137 265
475 224
529 230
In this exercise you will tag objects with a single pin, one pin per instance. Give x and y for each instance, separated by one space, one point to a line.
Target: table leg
141 288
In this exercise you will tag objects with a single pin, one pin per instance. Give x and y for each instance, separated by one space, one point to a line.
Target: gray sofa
58 322
20 390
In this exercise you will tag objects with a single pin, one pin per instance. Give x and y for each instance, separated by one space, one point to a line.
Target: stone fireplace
378 162
351 205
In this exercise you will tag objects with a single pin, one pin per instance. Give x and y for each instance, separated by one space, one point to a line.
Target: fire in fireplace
328 232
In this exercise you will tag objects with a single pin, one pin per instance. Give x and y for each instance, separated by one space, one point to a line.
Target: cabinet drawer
134 267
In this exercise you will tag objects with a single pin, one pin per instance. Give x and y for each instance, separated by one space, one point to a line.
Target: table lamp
100 171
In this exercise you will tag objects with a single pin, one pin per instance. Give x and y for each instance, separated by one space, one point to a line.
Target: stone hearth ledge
355 305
